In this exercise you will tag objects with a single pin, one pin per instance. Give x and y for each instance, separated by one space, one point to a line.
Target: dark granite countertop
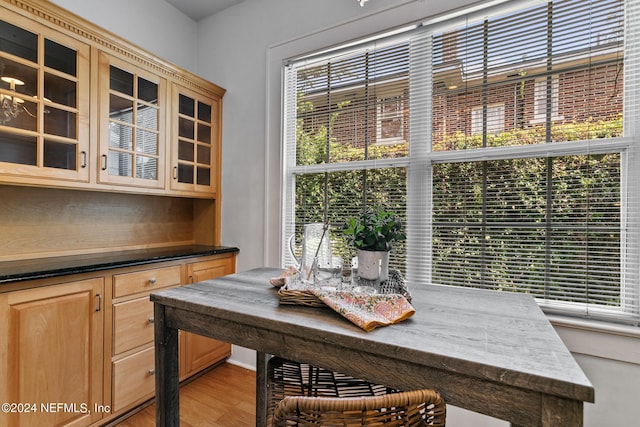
41 268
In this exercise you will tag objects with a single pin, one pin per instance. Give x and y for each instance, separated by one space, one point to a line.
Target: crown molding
59 19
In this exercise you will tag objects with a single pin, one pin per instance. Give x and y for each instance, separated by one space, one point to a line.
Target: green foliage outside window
507 224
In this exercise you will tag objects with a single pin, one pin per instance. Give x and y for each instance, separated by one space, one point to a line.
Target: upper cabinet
132 125
83 109
195 141
44 89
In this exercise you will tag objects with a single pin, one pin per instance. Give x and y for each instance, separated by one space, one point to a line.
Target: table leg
556 411
167 371
261 388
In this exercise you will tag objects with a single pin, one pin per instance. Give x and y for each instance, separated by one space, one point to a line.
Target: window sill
599 339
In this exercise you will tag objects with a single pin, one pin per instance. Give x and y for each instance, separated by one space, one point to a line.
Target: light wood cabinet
132 124
51 353
83 109
140 136
133 378
133 362
44 94
195 141
198 352
87 341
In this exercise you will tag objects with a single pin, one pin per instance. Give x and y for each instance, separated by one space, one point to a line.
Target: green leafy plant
374 229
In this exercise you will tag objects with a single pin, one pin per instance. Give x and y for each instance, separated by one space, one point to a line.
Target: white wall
241 49
153 25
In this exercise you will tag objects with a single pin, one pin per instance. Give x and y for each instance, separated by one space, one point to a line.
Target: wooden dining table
486 351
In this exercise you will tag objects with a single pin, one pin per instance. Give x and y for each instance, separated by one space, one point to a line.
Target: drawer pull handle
152 320
152 371
152 281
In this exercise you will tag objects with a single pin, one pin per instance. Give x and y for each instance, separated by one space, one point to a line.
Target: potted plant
372 234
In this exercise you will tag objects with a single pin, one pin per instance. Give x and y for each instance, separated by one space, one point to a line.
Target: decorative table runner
367 311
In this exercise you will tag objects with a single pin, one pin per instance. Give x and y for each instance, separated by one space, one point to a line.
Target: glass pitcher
316 252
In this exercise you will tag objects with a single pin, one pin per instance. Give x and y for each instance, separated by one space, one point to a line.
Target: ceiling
200 9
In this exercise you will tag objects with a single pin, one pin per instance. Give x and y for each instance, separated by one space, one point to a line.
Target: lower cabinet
51 354
81 352
133 362
133 378
198 352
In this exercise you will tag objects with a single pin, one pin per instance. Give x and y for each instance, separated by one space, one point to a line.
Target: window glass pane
60 90
146 142
550 73
204 176
59 155
186 128
185 173
120 164
340 194
121 81
204 154
19 42
186 106
147 117
146 167
120 108
353 107
18 149
147 91
59 57
120 136
204 112
186 151
60 122
20 113
19 78
204 133
504 225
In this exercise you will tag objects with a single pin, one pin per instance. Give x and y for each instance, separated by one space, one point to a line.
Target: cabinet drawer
147 280
132 324
133 378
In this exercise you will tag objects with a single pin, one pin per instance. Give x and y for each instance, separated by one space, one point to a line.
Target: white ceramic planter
373 265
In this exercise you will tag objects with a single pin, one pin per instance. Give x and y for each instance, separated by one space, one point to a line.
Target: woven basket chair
304 395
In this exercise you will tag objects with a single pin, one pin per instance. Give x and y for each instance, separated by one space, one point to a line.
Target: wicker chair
303 395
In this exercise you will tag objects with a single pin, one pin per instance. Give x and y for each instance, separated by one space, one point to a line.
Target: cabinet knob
152 281
152 371
152 320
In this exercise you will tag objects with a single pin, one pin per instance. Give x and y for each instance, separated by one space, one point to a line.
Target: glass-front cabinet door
132 123
195 141
44 94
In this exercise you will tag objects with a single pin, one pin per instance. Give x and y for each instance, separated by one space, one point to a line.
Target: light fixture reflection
12 106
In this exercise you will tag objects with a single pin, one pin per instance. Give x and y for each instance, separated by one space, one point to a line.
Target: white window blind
347 137
518 153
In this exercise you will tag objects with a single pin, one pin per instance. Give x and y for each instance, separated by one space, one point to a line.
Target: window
546 98
494 122
391 121
519 136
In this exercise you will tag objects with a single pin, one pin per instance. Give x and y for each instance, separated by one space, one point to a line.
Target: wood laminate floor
223 397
